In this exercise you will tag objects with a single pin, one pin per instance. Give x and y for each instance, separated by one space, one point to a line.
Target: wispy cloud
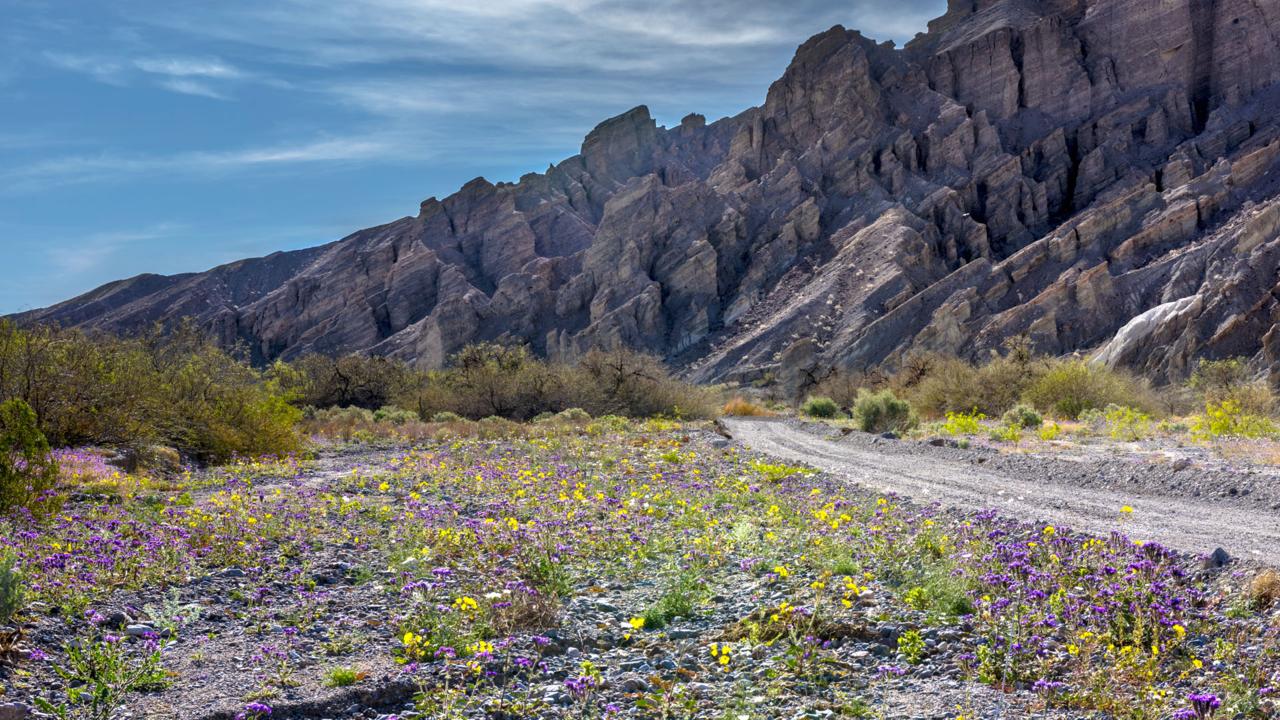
92 251
188 67
184 75
106 166
99 68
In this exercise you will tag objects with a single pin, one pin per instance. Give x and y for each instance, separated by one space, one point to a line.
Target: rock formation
1097 175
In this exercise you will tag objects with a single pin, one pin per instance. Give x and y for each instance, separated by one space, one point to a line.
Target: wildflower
466 604
1126 510
1205 705
636 623
782 571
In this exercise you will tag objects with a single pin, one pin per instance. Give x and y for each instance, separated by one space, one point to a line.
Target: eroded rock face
1098 175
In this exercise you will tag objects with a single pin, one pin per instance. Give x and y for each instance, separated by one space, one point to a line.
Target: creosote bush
820 407
883 412
28 472
171 387
1023 416
1072 387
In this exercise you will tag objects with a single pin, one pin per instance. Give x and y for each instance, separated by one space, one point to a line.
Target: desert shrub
741 407
1023 416
171 387
954 385
1069 388
494 427
1125 423
347 381
1264 589
1227 419
963 423
28 472
883 412
13 588
1007 433
820 407
623 382
446 417
1050 431
394 415
573 415
1217 381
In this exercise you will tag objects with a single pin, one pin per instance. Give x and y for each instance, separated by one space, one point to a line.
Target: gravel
1194 509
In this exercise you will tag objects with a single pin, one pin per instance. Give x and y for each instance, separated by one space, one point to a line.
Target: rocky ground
807 597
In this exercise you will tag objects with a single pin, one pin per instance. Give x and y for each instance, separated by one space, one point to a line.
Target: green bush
1228 419
446 417
820 407
883 412
937 386
1023 416
28 472
394 415
962 423
1069 388
13 588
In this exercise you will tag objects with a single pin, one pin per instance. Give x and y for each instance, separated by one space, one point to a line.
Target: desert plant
962 423
28 471
883 412
741 407
820 407
1023 416
1264 589
446 417
1007 433
1228 419
13 588
394 415
1071 387
99 674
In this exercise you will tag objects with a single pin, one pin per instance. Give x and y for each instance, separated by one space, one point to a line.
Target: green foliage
100 674
172 386
1227 419
342 677
1071 387
961 423
680 598
937 386
28 473
883 412
446 417
497 380
911 645
13 588
1050 431
1125 423
1007 433
776 472
394 415
820 407
1023 416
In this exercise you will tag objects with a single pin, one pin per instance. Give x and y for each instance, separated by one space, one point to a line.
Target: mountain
1097 175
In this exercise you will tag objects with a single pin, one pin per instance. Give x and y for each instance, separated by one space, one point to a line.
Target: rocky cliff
1098 175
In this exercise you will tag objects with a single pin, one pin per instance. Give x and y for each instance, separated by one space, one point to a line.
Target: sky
175 135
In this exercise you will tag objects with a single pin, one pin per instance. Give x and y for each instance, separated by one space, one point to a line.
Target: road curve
1193 526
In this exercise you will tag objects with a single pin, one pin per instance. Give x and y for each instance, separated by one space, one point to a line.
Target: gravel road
1053 494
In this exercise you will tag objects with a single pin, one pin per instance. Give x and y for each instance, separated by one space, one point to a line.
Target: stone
1217 559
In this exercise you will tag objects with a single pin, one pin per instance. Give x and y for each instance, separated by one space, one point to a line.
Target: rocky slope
1098 175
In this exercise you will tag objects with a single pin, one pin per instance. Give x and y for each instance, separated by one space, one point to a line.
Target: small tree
28 472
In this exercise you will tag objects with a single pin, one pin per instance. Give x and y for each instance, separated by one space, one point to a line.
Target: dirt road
1192 525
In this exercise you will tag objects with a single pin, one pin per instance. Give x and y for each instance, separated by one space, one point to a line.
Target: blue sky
174 135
